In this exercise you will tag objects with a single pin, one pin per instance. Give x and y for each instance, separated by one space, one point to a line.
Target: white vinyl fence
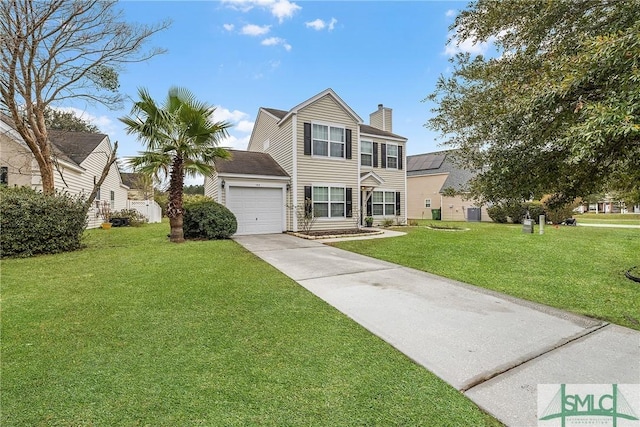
149 208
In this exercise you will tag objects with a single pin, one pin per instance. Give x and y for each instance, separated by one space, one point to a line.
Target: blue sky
240 55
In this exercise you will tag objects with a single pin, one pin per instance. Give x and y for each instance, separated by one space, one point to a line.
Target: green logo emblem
592 404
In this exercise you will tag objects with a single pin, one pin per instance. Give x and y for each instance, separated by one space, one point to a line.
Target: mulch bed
349 231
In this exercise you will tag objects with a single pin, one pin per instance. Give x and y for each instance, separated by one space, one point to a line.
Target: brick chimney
381 118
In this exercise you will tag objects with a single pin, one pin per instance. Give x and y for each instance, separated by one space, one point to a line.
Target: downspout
294 172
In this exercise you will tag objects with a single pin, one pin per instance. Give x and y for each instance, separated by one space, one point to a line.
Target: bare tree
56 50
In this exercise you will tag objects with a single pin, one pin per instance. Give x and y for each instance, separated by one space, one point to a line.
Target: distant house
319 151
80 158
432 181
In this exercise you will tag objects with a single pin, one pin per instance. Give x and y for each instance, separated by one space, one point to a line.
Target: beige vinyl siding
18 160
76 182
420 188
279 136
393 179
211 187
313 171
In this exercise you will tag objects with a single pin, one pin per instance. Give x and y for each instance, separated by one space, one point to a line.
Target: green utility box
435 214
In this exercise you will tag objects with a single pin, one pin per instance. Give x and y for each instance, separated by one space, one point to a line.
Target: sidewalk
494 348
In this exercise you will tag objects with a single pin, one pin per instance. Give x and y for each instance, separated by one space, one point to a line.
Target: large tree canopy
557 109
52 51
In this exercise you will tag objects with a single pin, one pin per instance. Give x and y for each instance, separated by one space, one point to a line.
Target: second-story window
328 141
366 153
392 156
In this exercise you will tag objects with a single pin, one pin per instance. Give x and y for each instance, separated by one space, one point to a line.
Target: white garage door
258 210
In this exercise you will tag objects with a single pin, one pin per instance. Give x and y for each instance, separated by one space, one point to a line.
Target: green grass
134 330
580 269
608 218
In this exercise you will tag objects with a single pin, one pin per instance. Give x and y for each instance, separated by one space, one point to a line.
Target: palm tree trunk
174 207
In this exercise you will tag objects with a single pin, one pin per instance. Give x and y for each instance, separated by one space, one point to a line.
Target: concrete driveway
494 348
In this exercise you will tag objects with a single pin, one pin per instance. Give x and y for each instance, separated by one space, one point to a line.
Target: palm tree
181 140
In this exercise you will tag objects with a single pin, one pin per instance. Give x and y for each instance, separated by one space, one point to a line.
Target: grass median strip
134 330
572 268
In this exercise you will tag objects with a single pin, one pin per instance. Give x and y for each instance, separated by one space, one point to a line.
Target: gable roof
279 114
74 146
370 130
327 92
131 179
440 162
249 163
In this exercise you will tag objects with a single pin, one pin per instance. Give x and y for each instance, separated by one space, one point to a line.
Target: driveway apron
494 348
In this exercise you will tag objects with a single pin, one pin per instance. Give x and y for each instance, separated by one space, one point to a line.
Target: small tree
304 214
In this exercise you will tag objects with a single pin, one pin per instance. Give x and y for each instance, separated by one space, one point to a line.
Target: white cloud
275 41
255 30
224 114
281 9
469 45
320 25
104 123
229 27
244 126
451 13
234 142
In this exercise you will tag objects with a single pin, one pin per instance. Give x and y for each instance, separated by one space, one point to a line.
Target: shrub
516 211
32 223
386 222
556 213
498 214
136 219
206 219
535 210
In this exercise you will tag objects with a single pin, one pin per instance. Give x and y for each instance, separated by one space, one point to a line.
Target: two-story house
319 151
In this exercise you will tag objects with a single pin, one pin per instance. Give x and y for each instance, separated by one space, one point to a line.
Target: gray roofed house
249 163
429 176
320 152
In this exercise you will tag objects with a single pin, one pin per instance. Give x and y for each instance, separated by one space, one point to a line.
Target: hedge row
32 223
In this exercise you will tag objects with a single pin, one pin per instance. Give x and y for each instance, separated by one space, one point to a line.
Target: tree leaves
558 111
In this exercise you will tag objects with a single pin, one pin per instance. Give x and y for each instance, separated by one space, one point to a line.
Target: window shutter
308 202
397 203
307 139
349 202
399 157
347 148
383 154
370 205
375 154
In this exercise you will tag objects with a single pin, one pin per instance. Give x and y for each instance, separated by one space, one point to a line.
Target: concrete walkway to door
494 348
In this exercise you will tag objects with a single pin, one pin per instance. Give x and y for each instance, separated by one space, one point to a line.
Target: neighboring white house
80 158
321 151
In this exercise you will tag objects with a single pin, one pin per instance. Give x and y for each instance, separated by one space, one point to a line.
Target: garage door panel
259 210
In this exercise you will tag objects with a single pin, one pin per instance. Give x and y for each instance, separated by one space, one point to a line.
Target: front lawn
580 269
134 330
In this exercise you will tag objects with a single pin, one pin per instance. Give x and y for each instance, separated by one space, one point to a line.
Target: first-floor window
427 203
113 199
383 203
328 202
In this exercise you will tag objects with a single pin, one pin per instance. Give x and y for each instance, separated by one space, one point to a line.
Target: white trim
249 176
294 178
344 142
386 153
252 184
382 137
329 202
375 176
313 99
